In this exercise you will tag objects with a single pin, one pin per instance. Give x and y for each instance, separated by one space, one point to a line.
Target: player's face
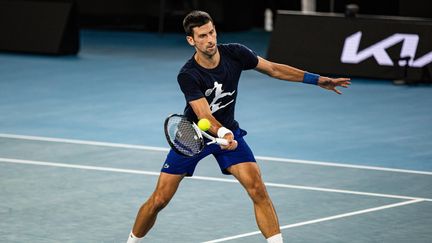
204 39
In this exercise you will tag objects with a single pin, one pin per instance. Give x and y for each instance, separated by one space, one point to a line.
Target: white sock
133 239
275 239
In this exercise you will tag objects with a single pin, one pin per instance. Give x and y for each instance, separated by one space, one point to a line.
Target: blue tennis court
82 143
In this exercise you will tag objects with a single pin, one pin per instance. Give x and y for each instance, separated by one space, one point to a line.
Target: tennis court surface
78 191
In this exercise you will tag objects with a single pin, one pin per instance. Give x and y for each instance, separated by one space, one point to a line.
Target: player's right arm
202 110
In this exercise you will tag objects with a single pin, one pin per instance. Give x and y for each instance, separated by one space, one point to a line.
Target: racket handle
221 141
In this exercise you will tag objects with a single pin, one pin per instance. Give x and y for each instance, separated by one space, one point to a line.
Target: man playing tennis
209 81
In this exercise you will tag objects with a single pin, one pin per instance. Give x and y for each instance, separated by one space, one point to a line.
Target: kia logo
351 53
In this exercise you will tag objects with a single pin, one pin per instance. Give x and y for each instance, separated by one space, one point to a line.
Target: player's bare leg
165 189
249 175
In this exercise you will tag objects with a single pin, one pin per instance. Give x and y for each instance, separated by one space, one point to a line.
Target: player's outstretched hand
332 83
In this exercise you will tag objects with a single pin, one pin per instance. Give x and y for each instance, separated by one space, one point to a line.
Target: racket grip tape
221 141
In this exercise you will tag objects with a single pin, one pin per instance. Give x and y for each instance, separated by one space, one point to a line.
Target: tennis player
209 81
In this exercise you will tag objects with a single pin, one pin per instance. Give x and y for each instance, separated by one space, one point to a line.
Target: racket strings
183 136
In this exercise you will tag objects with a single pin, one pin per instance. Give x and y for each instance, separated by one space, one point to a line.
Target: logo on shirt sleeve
219 94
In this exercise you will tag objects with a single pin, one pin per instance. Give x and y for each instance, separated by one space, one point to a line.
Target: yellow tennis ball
204 124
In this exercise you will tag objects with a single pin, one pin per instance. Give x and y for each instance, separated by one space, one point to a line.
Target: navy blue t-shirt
217 85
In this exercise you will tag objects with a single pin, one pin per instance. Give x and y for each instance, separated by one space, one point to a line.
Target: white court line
83 142
364 167
75 166
130 146
320 220
204 178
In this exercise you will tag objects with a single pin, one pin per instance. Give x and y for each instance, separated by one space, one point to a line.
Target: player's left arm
289 73
202 110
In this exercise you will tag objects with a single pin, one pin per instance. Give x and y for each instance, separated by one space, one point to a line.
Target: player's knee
159 202
258 192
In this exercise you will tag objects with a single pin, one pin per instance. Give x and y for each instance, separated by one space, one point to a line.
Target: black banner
39 26
364 46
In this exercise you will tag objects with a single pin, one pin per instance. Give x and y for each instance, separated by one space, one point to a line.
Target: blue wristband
310 78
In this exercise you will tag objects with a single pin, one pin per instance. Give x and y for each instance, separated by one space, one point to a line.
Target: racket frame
200 133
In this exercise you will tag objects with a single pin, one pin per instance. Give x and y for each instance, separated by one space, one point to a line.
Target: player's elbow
201 108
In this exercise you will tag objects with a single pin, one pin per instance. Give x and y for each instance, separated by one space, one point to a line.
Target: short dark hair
194 19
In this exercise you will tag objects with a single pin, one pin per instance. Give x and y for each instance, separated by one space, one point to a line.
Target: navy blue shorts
179 164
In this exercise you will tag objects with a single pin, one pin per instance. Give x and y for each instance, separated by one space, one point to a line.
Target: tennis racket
185 137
